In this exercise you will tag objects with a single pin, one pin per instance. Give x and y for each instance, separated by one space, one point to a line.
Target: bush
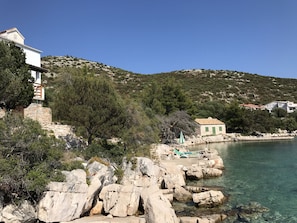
29 159
72 165
114 153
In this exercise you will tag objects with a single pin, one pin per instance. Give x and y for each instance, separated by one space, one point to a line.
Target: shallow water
262 172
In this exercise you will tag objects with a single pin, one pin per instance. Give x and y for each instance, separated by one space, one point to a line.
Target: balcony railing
38 92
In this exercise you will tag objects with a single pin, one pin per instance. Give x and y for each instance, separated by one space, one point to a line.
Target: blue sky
153 36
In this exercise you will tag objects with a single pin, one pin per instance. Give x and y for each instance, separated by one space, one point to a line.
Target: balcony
38 92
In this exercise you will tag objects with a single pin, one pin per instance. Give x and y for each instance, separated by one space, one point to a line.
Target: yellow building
210 126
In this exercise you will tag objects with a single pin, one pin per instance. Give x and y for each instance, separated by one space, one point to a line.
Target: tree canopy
90 103
166 98
16 87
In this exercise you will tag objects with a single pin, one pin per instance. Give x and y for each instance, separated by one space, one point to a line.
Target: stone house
210 126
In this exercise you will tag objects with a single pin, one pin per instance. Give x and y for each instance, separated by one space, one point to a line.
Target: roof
35 68
252 106
11 31
209 121
3 37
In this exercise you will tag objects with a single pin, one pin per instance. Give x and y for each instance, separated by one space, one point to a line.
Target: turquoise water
262 172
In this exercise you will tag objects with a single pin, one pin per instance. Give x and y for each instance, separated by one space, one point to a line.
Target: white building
33 59
210 126
288 106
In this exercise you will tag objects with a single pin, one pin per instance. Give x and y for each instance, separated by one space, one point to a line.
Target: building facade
210 127
288 106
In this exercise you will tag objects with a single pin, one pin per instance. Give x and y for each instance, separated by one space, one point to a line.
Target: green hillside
202 85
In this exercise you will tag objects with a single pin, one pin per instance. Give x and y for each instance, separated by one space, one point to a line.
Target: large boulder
24 213
173 176
64 201
211 172
99 175
119 200
181 194
198 172
157 208
209 198
194 172
141 172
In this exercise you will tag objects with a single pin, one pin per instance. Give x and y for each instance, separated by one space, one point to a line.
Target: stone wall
44 116
41 114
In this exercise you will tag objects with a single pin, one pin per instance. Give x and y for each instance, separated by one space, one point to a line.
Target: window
37 76
220 128
206 129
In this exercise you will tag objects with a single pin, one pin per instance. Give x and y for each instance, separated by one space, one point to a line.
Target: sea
262 173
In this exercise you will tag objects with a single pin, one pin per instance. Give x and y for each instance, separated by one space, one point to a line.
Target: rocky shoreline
145 193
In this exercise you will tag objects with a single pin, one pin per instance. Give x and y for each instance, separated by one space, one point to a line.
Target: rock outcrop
209 198
181 194
24 213
157 208
99 175
119 200
147 189
143 172
64 201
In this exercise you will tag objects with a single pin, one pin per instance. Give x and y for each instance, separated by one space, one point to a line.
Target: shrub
29 159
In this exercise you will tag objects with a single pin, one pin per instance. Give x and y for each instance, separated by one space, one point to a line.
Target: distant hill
201 85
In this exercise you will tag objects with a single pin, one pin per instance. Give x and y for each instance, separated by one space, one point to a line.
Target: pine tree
89 103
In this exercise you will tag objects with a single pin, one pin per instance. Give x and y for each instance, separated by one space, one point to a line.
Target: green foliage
166 98
294 115
72 165
114 153
16 87
201 85
290 124
119 174
214 109
91 103
279 112
211 92
234 118
245 121
139 129
29 159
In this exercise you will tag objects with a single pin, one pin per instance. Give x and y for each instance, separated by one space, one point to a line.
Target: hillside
201 85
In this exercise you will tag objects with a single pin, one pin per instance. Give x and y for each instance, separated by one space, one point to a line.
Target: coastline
168 158
236 137
267 137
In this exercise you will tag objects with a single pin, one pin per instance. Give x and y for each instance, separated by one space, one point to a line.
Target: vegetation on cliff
29 159
134 110
200 93
201 85
89 103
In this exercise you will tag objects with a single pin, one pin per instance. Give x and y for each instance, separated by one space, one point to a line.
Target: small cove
261 172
